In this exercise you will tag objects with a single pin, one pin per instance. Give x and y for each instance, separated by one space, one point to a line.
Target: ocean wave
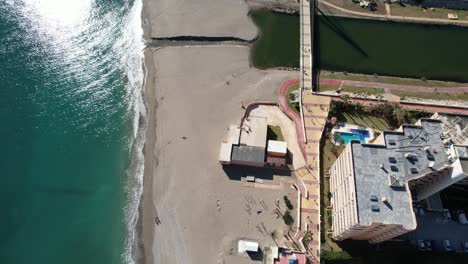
133 61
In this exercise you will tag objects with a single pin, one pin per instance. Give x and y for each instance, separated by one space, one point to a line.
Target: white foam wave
133 61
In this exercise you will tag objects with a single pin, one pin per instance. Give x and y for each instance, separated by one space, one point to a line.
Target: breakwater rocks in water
197 41
280 6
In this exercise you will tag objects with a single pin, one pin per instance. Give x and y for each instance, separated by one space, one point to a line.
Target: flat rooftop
248 153
254 131
383 171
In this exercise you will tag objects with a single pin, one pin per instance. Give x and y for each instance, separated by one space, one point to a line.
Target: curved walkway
400 87
397 18
291 114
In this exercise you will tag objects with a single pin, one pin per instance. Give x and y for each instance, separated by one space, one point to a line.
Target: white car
462 217
428 245
421 245
447 245
420 211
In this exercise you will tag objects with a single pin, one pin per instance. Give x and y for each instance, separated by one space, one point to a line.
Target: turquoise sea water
70 82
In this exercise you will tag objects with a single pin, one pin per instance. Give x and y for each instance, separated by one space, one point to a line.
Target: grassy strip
274 133
418 11
351 89
329 152
387 79
293 106
435 96
374 122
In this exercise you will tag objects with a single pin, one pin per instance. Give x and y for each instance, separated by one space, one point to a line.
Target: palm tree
274 236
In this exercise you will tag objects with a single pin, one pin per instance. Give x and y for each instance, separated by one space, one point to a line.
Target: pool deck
346 128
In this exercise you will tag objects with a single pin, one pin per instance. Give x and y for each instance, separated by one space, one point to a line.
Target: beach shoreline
158 180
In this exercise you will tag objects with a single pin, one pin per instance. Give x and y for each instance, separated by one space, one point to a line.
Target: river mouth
365 46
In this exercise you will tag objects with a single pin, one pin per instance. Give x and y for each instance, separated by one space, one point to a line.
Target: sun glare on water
65 13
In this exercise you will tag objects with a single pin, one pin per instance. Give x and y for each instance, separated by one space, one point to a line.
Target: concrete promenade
306 45
315 109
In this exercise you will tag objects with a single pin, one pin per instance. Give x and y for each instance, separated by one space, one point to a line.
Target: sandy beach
193 94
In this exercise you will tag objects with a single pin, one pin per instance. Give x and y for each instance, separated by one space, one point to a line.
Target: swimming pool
361 132
357 134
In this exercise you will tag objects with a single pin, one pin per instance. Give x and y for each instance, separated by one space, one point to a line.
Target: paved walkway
399 87
315 110
291 114
397 18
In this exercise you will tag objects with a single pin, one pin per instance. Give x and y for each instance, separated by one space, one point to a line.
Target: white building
373 185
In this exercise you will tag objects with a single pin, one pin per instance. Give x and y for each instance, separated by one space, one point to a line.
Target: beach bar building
247 145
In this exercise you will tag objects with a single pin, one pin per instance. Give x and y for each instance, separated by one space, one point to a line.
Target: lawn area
435 96
293 106
328 155
374 122
418 11
351 89
274 133
386 79
350 5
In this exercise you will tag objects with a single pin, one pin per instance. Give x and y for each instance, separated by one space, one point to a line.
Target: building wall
343 198
247 163
436 181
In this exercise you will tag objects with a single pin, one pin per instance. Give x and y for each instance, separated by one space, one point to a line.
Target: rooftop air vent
395 180
391 142
431 164
375 208
392 159
414 170
374 198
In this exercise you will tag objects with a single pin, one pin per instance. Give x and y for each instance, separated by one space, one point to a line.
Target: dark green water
366 46
68 77
394 49
278 45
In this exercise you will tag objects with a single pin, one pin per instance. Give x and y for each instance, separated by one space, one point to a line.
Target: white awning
244 245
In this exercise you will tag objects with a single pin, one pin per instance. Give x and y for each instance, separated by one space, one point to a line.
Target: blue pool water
354 134
361 132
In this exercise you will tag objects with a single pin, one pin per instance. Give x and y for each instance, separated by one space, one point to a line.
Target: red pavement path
291 114
400 87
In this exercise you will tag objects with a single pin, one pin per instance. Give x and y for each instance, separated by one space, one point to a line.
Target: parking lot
433 226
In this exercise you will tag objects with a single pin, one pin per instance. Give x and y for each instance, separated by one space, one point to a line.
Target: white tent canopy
244 245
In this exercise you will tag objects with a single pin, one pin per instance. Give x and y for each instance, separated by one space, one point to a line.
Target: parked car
465 246
420 211
447 214
428 245
462 217
447 245
421 245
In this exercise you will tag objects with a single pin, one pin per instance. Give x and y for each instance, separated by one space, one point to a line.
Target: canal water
278 44
367 46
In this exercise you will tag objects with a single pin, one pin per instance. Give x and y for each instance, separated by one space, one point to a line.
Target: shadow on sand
236 172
